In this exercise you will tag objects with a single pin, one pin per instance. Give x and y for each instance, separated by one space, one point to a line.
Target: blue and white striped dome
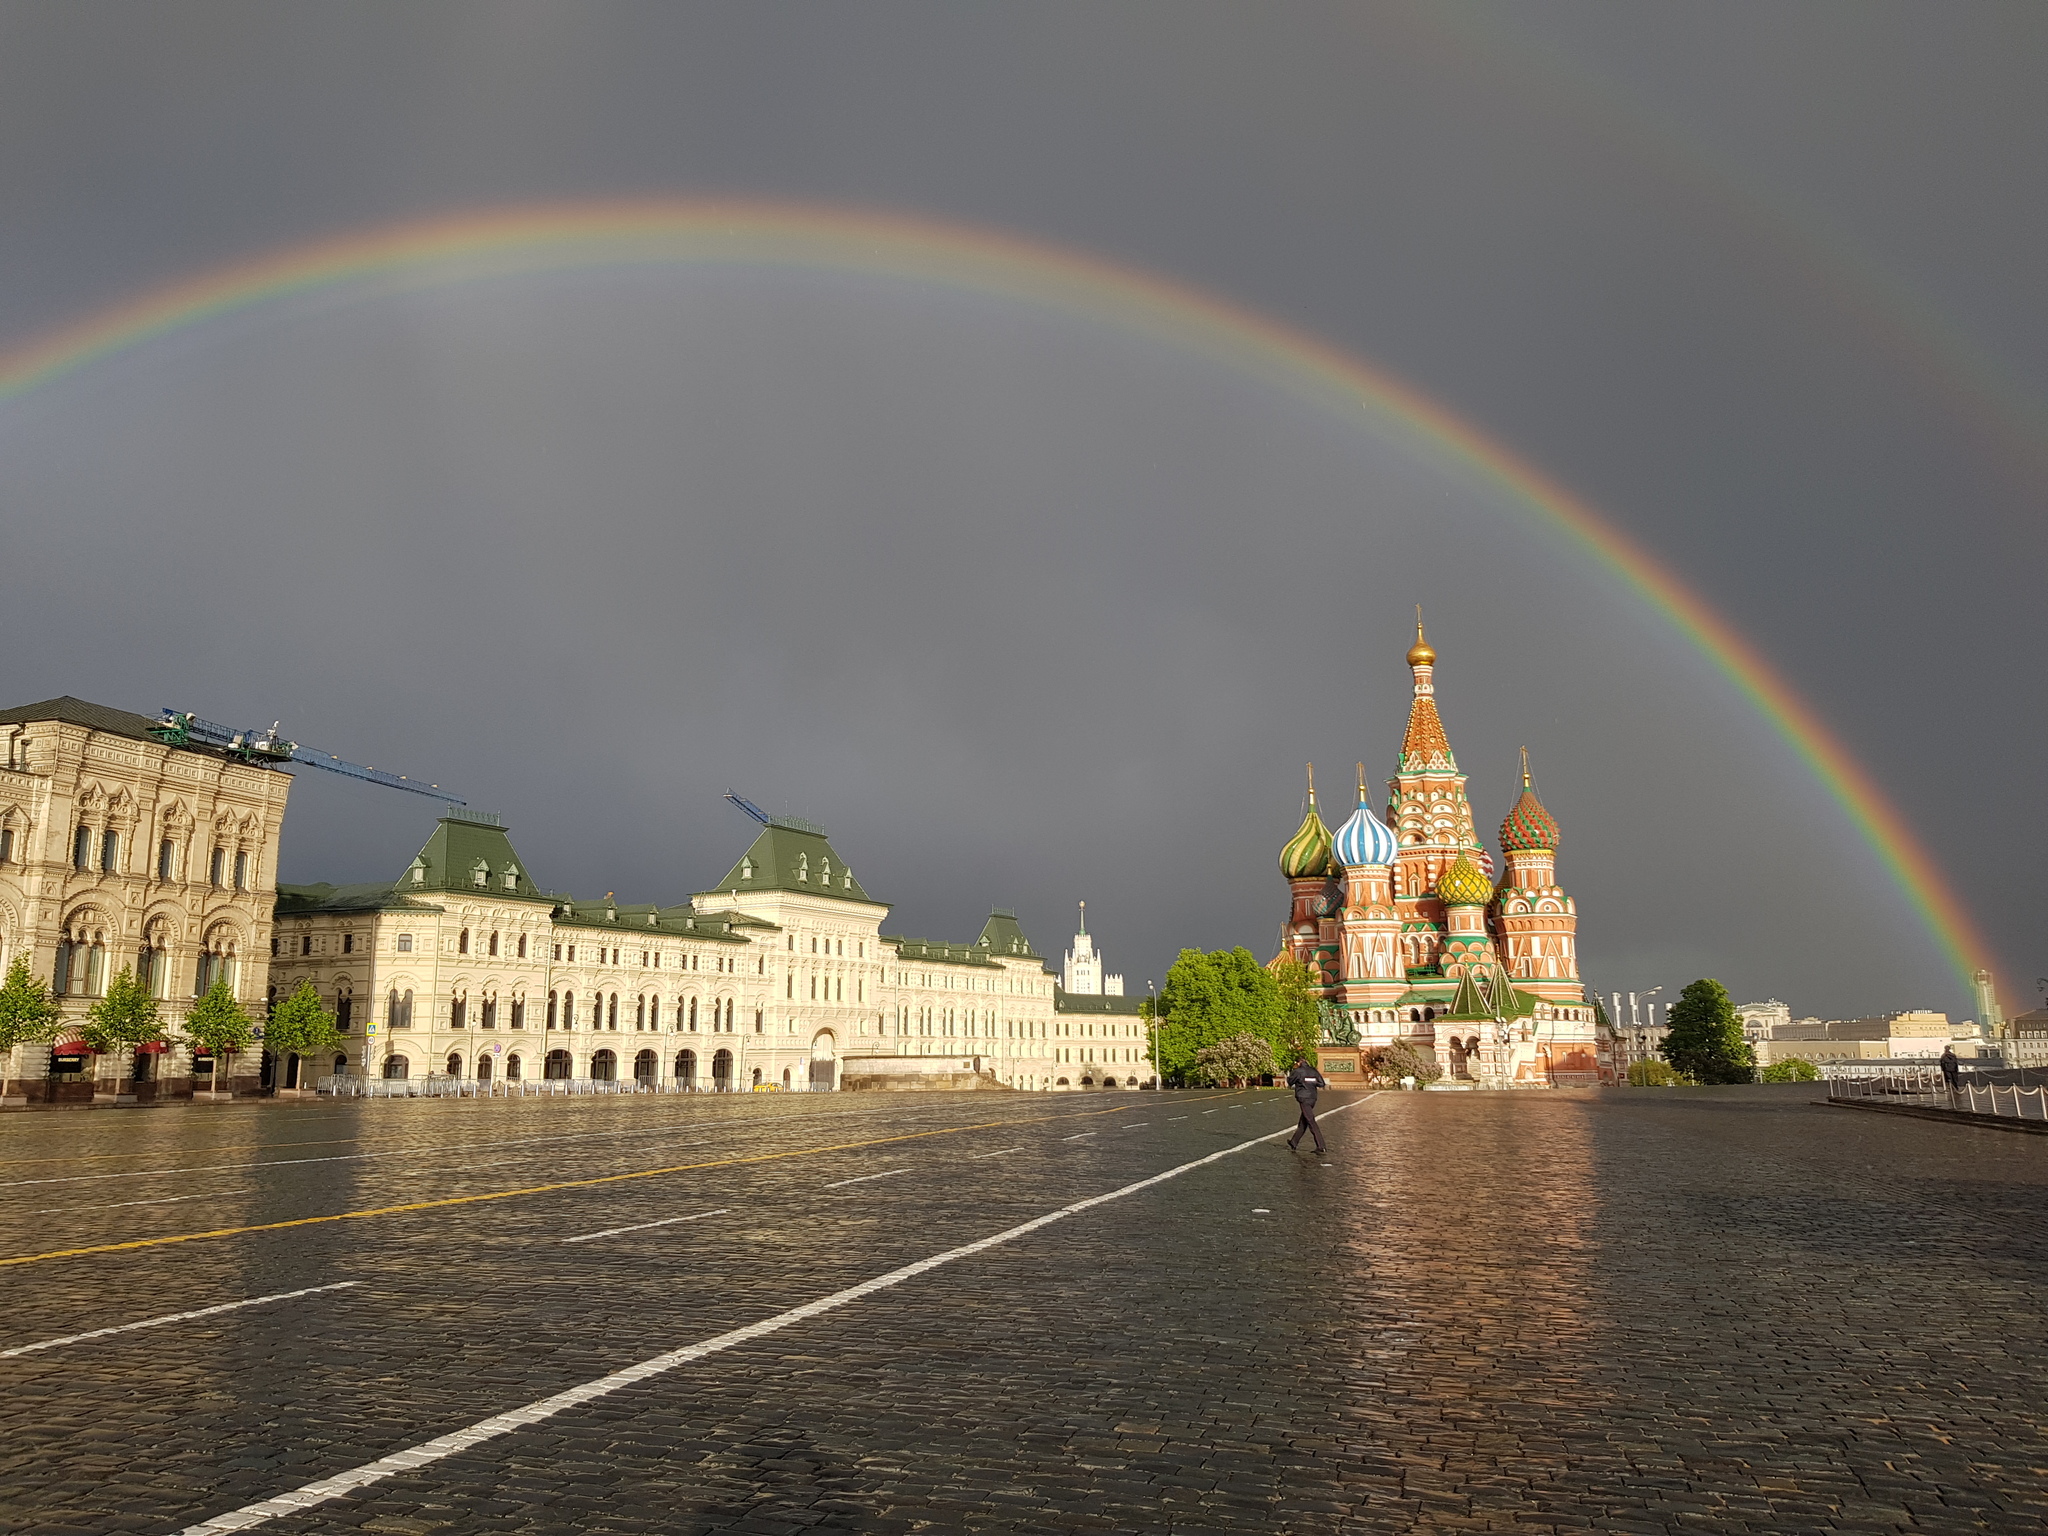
1364 839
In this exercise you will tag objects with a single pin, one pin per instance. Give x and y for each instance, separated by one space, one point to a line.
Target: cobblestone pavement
1634 1311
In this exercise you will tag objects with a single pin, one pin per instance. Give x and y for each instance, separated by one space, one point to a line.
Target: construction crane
749 807
270 750
792 823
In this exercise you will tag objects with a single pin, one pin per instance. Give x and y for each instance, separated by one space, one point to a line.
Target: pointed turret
1425 746
1538 922
1430 816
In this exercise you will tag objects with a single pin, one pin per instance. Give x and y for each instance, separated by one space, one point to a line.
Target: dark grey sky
1024 609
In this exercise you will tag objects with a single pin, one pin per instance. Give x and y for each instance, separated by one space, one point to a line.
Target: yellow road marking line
510 1194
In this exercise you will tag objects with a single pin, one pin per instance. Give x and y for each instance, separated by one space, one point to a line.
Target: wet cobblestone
1658 1311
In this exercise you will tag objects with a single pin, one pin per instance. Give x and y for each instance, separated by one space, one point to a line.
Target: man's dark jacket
1305 1080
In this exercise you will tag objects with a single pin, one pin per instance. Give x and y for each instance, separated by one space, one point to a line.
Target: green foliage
1209 998
1653 1074
1233 1061
27 1011
1300 1025
1386 1065
1705 1038
218 1022
299 1025
126 1016
1793 1069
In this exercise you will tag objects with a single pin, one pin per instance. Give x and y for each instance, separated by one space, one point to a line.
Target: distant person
1305 1080
1951 1067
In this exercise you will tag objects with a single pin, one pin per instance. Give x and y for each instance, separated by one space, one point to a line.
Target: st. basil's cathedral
1410 939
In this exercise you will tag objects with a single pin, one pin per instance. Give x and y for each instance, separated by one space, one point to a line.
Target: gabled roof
94 717
1001 935
460 847
1484 992
787 857
305 900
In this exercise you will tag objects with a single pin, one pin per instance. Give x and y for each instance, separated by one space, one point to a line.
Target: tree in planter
218 1023
1209 998
27 1011
1704 1037
1234 1061
1388 1064
300 1026
125 1018
1793 1069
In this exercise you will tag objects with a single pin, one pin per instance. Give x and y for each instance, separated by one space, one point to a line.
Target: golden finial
1419 654
1311 783
1525 767
1361 783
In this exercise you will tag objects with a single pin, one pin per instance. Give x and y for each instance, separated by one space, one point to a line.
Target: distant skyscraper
1990 1020
1082 975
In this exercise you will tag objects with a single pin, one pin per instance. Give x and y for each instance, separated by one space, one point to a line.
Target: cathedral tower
1538 922
1430 816
1370 927
1306 862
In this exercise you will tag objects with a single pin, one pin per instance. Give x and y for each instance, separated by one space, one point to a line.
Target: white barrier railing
437 1086
1928 1090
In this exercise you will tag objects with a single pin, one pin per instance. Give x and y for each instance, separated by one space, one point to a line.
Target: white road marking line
866 1176
1082 1137
1211 1111
76 1210
997 1153
1133 1125
589 1237
175 1317
301 1499
1181 1117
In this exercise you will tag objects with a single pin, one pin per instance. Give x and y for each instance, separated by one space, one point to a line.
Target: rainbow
582 236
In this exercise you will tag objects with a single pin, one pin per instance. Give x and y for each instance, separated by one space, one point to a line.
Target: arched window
693 1015
397 1068
757 1077
556 1066
391 1010
512 1068
640 1014
519 1013
614 1012
110 851
241 871
654 1012
404 1011
344 1008
553 1010
462 942
81 848
488 1015
785 1077
646 1069
522 946
757 1021
494 941
728 1015
604 1067
458 1010
455 1063
568 1010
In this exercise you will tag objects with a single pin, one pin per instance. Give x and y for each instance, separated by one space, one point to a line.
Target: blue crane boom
267 748
748 806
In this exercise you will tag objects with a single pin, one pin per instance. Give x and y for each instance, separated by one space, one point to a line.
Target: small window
241 871
7 845
217 867
110 852
81 848
511 878
519 1013
305 944
405 943
558 952
275 942
419 874
481 875
522 946
348 943
494 943
572 954
462 942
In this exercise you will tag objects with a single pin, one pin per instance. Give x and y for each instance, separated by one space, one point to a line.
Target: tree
27 1011
300 1026
1388 1064
127 1016
1793 1069
1652 1074
1238 1060
218 1023
1704 1040
1300 1024
1212 997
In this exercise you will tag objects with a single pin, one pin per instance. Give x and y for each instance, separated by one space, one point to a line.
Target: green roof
1064 1001
786 857
1001 935
932 951
1484 992
460 850
304 900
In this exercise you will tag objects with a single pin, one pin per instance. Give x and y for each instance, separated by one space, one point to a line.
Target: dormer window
825 871
511 877
480 876
746 869
419 874
803 868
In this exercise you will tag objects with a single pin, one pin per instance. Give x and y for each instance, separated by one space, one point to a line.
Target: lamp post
1152 1021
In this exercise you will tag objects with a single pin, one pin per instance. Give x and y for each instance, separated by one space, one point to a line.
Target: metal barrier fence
439 1086
1926 1090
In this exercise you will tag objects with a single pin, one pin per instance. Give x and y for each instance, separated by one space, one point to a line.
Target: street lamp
1152 1019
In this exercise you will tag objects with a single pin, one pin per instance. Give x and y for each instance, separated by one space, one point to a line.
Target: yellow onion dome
1307 852
1462 885
1420 654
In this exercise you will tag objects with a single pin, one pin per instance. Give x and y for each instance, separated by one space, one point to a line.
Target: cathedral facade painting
1411 938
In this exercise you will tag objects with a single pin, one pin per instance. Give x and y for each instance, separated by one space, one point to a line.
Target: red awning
73 1048
151 1048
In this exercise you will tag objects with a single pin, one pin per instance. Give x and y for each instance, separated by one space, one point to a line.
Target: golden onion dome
1464 885
1420 654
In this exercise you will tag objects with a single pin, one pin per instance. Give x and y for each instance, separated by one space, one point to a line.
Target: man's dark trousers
1308 1125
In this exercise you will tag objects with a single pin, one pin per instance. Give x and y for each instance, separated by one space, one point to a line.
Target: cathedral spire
1425 746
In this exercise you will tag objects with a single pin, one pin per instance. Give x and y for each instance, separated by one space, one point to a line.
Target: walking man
1305 1080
